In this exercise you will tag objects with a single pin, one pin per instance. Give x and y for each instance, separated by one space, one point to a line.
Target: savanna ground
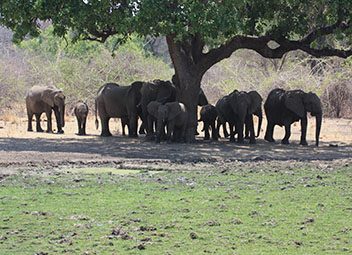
68 194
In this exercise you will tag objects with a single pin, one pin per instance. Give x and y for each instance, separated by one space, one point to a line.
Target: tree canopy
293 24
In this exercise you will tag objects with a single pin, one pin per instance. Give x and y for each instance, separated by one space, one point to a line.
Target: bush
337 99
78 69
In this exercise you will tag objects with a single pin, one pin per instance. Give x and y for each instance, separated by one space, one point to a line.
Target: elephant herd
164 118
281 108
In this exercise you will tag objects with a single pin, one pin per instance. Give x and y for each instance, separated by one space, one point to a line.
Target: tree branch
100 36
260 45
311 37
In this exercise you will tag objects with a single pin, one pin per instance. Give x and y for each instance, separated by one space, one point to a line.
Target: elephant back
166 91
256 101
274 98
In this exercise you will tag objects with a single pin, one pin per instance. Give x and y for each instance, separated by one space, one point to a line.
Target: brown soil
19 148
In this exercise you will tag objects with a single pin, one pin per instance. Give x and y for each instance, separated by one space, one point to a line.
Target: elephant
173 115
81 113
158 90
286 107
114 101
237 109
46 99
257 112
208 115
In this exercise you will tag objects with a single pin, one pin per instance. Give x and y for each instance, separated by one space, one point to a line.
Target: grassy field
271 209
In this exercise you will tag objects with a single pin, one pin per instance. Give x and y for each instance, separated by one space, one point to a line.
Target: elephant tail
96 118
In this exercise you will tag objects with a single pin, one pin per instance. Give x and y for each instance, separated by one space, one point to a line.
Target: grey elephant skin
125 122
237 110
208 115
81 112
159 91
286 107
114 101
46 99
172 115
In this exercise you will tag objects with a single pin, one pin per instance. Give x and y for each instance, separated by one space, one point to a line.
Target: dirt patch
22 149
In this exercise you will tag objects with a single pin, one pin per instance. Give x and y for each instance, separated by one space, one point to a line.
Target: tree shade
199 33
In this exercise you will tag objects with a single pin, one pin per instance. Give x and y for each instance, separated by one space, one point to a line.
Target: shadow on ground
16 150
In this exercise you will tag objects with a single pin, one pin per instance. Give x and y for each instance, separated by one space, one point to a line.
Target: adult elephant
286 107
256 97
114 101
159 91
46 99
237 109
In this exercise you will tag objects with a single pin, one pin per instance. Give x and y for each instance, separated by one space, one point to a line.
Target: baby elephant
172 115
208 115
81 112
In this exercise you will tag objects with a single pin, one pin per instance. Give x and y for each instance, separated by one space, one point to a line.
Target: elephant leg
218 125
58 121
239 130
214 131
84 122
142 128
123 125
246 131
287 134
232 133
249 126
206 131
37 120
49 124
79 123
30 118
150 127
304 123
269 133
105 127
183 133
226 134
84 125
132 127
170 135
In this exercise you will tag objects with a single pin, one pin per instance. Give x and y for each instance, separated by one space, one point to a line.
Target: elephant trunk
159 129
318 128
260 116
62 115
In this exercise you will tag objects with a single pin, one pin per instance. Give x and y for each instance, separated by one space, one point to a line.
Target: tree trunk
188 94
187 80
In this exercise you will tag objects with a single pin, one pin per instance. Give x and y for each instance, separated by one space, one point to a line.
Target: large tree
199 33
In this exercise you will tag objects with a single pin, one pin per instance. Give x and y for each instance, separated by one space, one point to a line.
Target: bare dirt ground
19 148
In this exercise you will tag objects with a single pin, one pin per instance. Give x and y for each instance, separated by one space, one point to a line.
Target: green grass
250 211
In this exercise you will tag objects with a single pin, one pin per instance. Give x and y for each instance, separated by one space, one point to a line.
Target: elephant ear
294 102
152 108
134 92
175 109
202 98
256 101
48 95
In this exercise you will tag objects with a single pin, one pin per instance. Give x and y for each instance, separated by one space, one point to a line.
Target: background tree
199 33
